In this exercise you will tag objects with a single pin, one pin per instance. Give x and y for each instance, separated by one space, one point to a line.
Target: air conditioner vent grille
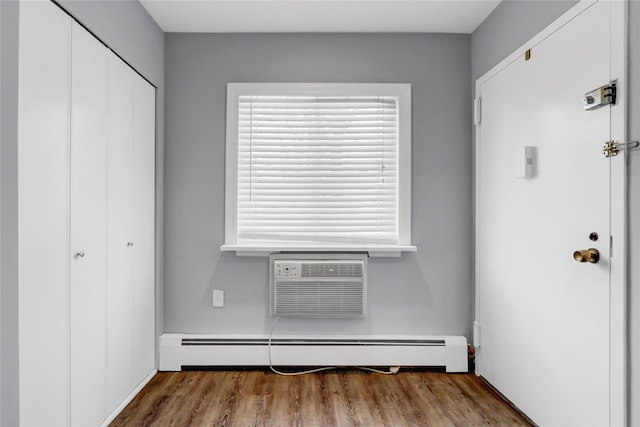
319 298
331 270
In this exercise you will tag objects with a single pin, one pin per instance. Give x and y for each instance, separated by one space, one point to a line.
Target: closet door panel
43 243
120 249
88 202
144 228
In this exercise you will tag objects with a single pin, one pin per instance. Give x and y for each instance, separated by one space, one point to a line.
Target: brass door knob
591 255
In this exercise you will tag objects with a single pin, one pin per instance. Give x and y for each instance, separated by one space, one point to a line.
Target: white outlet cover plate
218 298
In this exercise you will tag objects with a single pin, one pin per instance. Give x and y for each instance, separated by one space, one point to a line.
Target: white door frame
618 297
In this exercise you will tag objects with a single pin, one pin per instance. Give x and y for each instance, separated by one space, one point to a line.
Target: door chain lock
611 148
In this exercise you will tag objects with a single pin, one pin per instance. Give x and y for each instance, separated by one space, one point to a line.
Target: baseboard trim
128 399
507 401
180 351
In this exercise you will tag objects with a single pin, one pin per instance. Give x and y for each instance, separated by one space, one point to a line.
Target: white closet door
43 244
120 249
88 203
144 228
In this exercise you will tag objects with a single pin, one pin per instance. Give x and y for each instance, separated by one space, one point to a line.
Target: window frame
400 90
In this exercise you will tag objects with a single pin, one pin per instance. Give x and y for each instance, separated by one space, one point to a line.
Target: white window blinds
318 165
318 169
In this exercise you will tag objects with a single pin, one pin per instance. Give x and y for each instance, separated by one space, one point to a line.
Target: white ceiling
324 16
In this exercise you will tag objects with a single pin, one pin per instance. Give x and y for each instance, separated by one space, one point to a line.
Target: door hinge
600 97
611 148
476 334
476 111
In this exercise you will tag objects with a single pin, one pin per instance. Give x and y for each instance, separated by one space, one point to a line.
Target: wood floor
332 398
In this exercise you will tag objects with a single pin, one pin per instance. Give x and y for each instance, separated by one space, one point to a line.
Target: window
318 165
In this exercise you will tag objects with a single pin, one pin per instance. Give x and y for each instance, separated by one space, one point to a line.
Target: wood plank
331 398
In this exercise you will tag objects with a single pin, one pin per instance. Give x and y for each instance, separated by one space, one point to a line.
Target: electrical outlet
218 298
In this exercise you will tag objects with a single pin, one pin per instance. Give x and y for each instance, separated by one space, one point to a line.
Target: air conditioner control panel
286 270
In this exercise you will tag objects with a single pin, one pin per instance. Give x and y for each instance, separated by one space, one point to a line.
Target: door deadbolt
593 237
591 255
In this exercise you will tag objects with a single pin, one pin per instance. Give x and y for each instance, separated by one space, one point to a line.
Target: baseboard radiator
181 351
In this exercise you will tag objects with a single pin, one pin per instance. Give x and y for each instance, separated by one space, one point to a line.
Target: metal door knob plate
591 255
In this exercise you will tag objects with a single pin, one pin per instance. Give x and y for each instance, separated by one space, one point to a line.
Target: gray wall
9 215
510 25
127 28
428 292
130 31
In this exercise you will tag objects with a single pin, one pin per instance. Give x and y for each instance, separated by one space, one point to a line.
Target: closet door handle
79 255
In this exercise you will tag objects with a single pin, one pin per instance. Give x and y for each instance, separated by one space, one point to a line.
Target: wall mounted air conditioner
318 285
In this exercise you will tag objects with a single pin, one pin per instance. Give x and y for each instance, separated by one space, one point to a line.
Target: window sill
267 249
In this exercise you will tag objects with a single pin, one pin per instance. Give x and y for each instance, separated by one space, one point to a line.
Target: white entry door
544 319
